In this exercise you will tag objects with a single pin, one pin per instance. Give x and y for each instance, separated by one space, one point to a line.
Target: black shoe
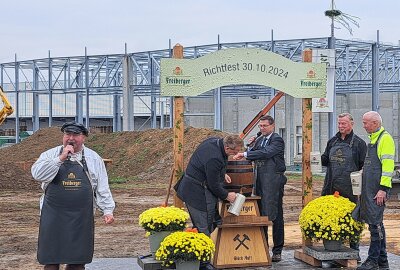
276 257
207 267
383 264
368 265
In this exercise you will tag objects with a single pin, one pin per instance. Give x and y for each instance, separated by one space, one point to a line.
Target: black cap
73 127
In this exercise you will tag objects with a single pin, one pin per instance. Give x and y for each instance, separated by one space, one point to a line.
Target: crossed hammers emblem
241 242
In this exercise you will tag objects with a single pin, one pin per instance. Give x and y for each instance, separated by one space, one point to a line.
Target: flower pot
332 245
189 265
155 239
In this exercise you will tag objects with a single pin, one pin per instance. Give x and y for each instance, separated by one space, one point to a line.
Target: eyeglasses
263 126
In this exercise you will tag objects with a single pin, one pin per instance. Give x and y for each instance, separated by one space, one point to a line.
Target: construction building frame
368 67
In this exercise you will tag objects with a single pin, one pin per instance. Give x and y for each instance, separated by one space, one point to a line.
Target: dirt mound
136 155
15 178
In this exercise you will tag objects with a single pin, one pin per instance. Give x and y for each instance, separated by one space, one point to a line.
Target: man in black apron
376 183
66 232
344 153
268 155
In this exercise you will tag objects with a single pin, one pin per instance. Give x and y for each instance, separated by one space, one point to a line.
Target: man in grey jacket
74 180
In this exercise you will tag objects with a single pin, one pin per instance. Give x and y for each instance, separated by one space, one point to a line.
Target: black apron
367 210
341 164
66 231
269 184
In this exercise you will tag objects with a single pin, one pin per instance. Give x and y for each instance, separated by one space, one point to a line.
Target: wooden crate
149 263
314 256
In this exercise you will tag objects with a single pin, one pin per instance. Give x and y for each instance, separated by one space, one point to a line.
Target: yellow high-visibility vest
386 153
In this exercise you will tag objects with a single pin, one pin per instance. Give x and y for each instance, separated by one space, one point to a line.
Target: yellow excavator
7 109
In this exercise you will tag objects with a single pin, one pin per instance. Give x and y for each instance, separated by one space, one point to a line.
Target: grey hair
233 141
348 115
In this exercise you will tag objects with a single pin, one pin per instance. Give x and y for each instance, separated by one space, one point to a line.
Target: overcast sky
31 28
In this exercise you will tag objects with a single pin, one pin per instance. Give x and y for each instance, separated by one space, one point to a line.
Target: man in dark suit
267 152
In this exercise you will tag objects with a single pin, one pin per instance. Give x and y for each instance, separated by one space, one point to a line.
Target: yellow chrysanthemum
329 217
185 246
163 219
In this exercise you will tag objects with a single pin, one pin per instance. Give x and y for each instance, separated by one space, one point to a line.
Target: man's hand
238 156
228 179
108 219
380 197
251 140
231 197
68 149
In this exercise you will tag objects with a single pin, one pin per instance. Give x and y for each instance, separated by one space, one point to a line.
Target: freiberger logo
177 79
322 103
311 82
311 74
338 157
177 71
71 182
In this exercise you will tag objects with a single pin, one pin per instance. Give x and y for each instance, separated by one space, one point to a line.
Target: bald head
372 121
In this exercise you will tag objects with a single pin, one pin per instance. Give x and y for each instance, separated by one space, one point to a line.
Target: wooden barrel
241 174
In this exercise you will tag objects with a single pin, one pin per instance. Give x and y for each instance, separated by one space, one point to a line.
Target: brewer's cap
73 127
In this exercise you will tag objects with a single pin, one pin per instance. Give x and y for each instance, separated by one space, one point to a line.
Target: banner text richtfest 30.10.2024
192 77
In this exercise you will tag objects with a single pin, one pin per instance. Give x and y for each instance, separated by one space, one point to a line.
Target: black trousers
68 267
205 221
278 227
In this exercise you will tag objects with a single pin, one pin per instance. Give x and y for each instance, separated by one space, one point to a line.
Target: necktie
264 142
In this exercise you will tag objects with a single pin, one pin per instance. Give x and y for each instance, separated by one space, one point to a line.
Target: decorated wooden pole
178 129
307 182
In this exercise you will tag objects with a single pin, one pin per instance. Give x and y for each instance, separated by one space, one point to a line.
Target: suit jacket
275 149
270 180
206 169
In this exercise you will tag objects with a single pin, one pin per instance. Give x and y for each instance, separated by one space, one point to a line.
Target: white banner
325 104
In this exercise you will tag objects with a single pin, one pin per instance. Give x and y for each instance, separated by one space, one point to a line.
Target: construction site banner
327 56
238 66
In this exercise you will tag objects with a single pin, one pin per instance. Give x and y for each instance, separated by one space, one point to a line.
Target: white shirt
46 168
263 142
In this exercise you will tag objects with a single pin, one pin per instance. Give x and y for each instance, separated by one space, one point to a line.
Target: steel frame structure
361 66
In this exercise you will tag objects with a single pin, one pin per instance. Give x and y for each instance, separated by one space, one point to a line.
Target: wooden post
307 146
264 111
178 128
